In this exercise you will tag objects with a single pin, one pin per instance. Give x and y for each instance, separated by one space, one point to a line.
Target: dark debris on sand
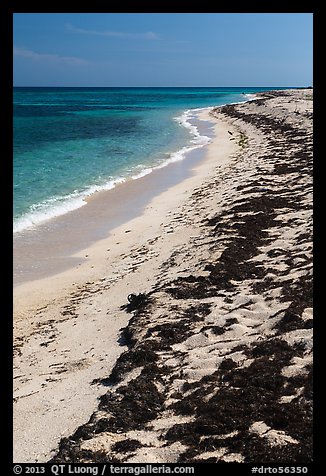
223 406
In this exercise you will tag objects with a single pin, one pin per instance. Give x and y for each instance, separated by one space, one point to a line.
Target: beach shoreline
41 251
68 336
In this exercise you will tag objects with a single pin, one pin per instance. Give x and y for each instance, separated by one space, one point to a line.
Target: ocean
71 142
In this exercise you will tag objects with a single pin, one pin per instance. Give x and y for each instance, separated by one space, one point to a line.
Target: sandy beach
210 359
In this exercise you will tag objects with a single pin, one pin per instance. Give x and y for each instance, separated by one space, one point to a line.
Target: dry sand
216 358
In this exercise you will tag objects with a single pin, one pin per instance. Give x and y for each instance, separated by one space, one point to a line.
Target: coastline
40 251
63 335
55 207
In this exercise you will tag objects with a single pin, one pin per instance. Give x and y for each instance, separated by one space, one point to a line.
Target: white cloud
34 56
149 35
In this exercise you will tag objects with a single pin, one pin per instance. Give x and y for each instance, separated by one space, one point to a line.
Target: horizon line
225 86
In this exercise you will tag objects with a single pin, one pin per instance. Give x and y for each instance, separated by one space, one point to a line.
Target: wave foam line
55 207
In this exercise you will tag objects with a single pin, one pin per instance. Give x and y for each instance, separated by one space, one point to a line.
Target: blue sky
163 49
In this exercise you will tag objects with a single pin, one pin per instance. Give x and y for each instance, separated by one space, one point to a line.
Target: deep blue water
71 142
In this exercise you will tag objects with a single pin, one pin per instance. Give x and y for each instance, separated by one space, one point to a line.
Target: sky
163 49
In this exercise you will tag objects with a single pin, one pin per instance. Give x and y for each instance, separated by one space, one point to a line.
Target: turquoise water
71 142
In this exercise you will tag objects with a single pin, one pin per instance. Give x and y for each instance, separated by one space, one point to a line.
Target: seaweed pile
219 360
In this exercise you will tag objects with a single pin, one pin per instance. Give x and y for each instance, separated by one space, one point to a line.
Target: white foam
142 173
47 210
55 207
251 97
198 141
184 120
